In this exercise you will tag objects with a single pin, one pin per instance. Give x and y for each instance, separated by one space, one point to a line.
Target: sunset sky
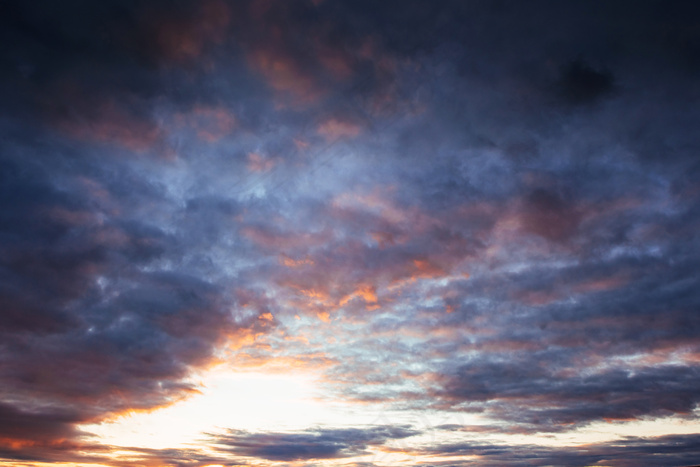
389 233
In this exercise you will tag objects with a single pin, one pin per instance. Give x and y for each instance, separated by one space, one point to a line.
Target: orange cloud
366 292
319 295
290 263
419 268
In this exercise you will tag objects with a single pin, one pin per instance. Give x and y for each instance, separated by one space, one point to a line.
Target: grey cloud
536 395
321 443
662 451
580 83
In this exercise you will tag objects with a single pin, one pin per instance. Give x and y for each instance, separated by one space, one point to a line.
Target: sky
299 233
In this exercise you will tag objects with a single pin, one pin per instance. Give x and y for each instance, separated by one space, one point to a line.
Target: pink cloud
258 163
334 128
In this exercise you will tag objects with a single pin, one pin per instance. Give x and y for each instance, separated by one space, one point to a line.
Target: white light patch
244 401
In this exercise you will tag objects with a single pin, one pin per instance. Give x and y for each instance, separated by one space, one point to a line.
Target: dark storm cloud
321 443
581 83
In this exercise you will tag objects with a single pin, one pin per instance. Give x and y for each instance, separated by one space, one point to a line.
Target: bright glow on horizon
238 400
258 402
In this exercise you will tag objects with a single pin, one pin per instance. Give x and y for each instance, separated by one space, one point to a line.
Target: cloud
36 426
548 400
545 213
94 325
580 83
661 451
321 443
112 124
184 33
474 207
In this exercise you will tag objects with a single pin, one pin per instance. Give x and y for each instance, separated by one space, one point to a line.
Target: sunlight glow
248 401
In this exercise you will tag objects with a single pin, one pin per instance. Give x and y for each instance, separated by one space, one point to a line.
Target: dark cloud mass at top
482 207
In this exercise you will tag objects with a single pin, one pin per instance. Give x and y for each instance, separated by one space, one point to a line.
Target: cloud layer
471 208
